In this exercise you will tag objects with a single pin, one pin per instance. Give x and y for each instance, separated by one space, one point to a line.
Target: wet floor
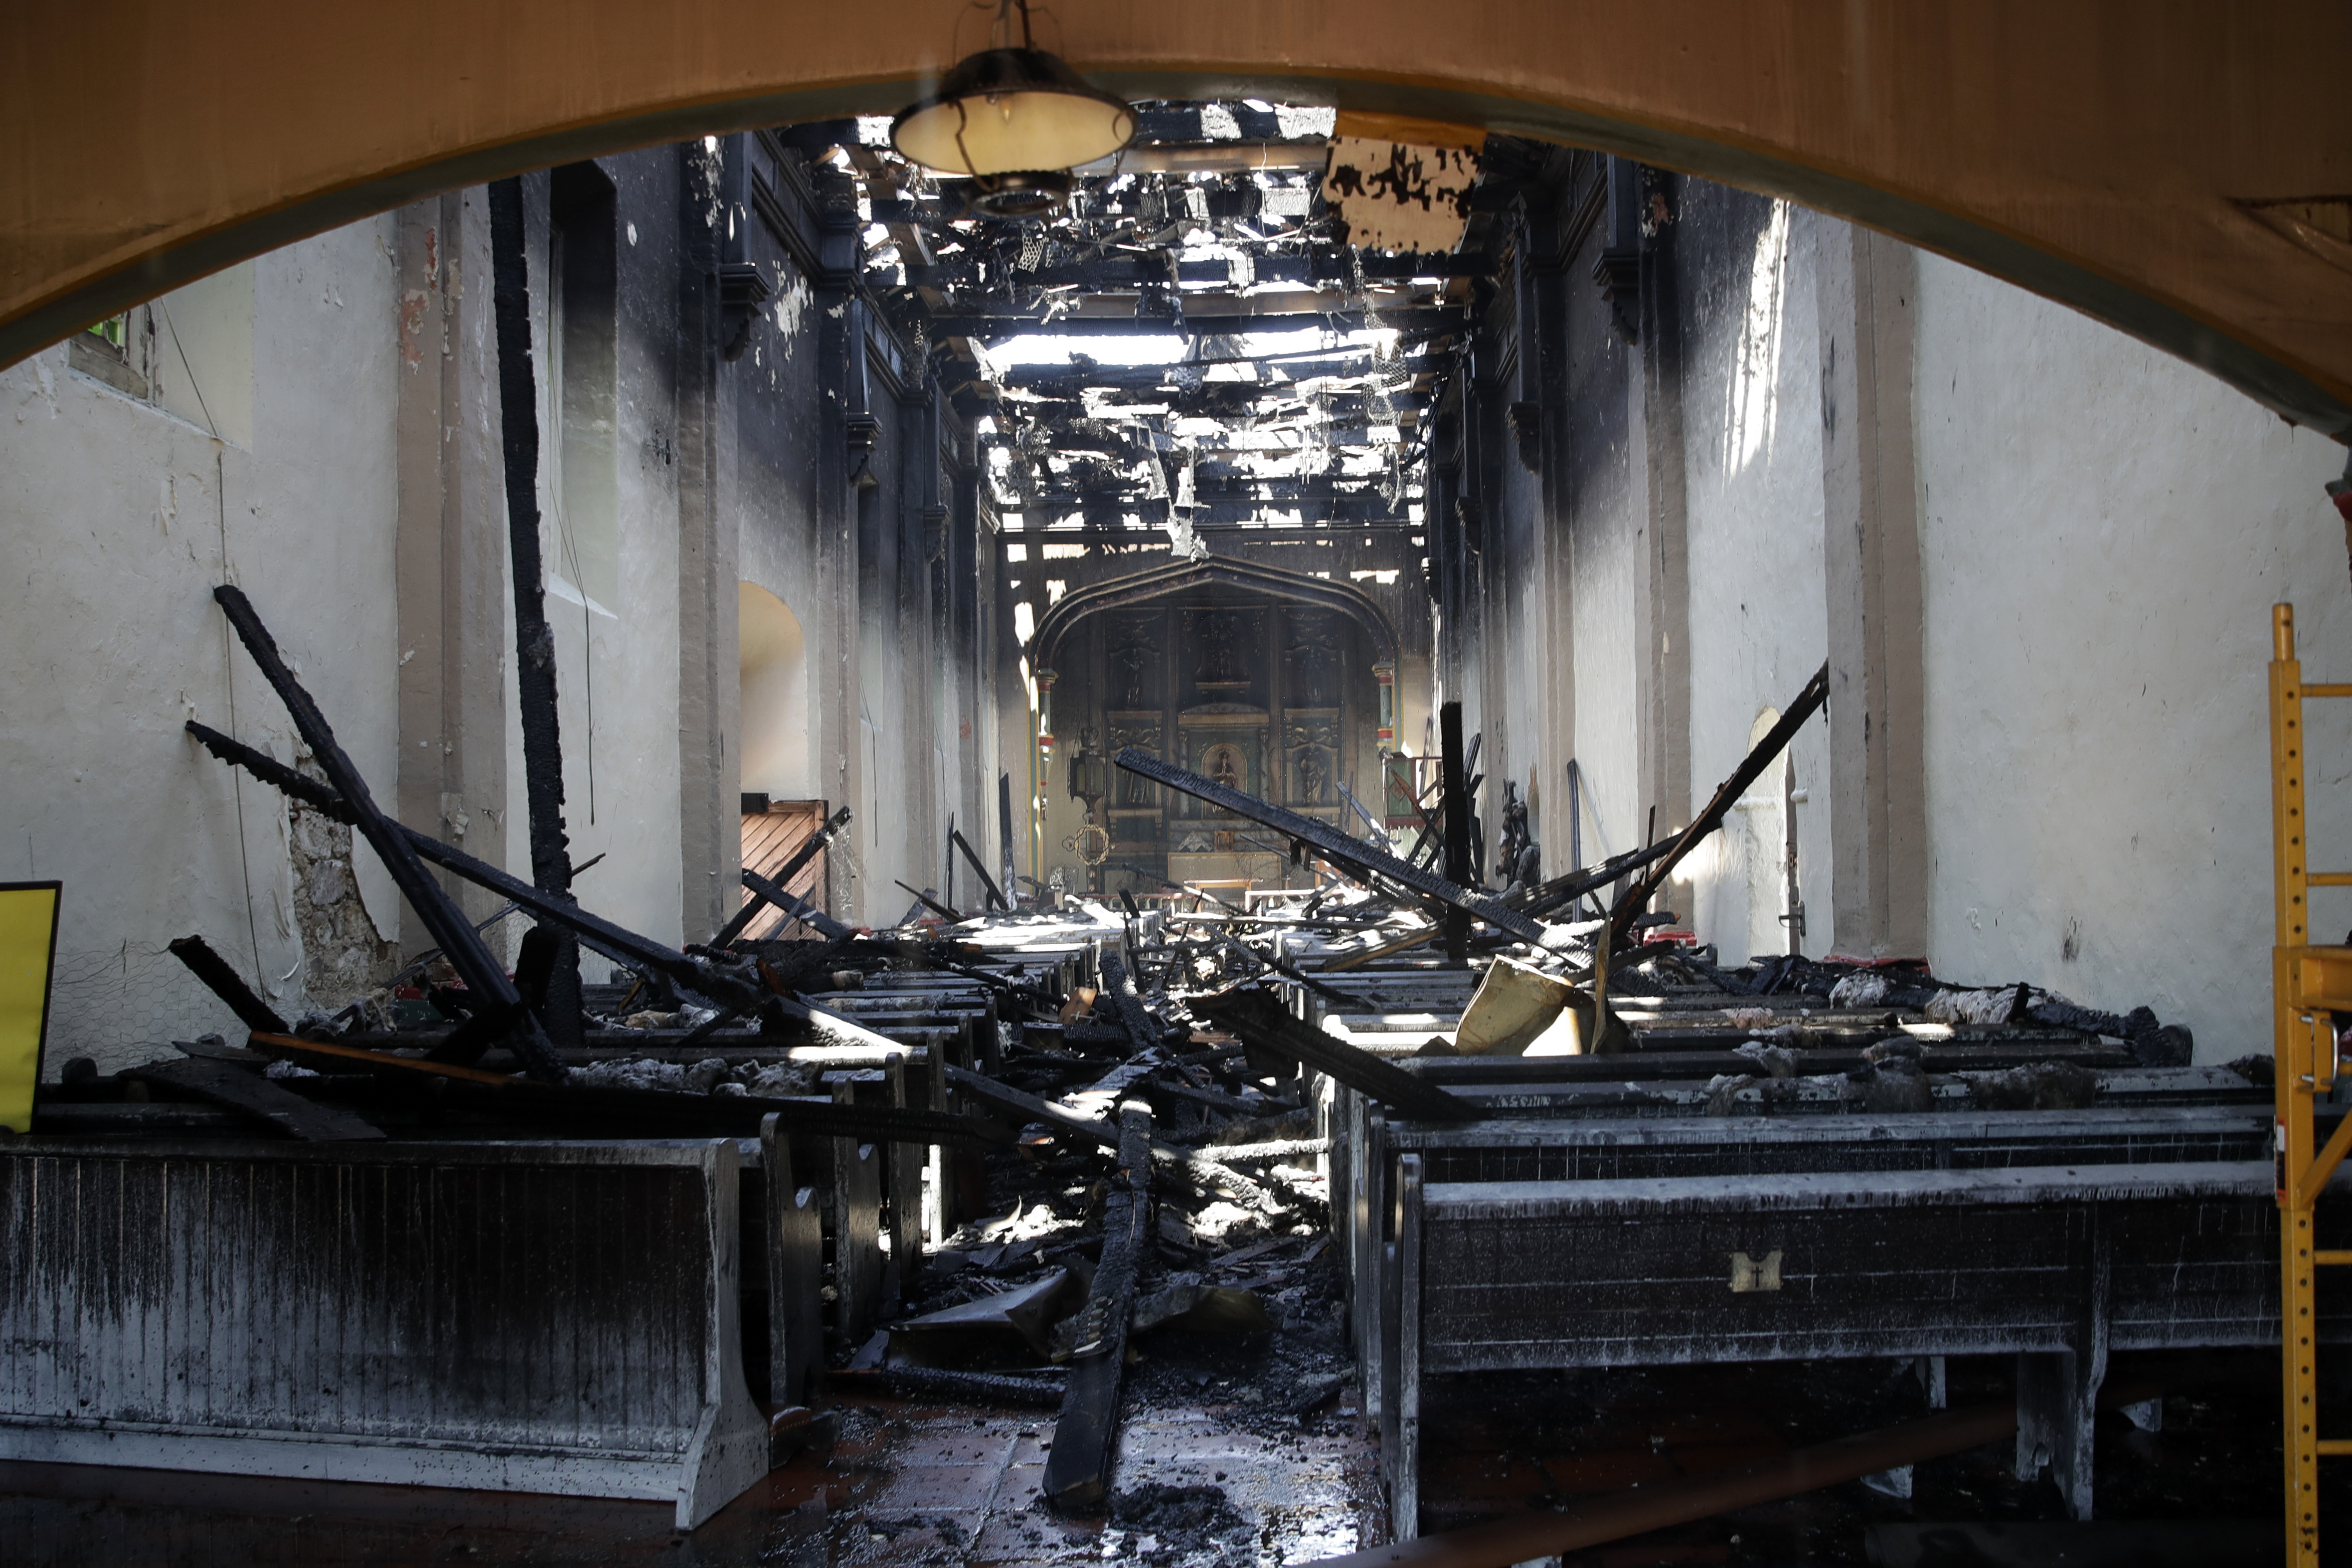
905 1485
1212 1471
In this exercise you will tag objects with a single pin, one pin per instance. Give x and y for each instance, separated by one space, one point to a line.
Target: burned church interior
1206 786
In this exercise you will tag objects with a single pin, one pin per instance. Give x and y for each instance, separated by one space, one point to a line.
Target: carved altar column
1384 672
1044 724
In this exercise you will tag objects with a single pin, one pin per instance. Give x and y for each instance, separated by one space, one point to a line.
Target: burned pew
437 1314
2054 1236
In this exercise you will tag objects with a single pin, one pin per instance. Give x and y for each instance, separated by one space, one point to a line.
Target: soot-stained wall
2038 557
323 430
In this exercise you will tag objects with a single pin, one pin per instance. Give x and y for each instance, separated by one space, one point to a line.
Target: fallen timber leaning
616 942
1331 843
484 976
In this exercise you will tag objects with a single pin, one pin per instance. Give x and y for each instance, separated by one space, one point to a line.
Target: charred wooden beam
1004 825
1454 806
1759 757
1287 970
987 882
1257 1017
1573 885
483 975
1331 843
954 917
650 1112
807 852
558 999
1143 1031
1077 1471
1032 1391
226 984
800 909
616 942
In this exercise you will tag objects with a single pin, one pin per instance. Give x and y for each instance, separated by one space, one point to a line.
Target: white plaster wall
1752 447
121 517
1517 713
1605 567
2103 532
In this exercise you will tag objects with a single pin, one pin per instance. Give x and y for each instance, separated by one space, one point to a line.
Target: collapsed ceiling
1193 340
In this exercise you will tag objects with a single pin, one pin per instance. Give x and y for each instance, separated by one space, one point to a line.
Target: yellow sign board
28 948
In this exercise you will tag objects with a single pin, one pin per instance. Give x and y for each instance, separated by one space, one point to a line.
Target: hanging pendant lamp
1015 121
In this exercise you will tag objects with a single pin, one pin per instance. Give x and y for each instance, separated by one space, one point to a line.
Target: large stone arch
2130 168
1182 577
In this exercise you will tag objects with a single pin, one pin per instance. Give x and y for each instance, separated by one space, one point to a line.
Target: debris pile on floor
1134 1161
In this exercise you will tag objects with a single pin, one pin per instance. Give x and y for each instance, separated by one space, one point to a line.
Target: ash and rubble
1123 1201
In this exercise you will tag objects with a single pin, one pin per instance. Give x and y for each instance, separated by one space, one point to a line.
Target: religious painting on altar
1272 697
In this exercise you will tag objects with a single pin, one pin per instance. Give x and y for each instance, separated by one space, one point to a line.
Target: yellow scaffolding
2308 984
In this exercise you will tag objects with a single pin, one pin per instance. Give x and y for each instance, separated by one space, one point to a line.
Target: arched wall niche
773 659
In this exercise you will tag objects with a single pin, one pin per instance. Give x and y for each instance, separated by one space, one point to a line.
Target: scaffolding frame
2309 984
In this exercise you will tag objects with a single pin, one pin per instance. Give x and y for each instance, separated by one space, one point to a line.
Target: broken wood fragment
801 910
226 984
1258 1018
1198 1169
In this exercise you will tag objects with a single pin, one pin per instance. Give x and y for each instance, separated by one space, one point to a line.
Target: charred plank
226 984
240 1088
792 868
484 976
1258 1018
1331 843
1078 1472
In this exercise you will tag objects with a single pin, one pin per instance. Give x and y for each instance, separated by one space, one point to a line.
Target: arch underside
2131 169
1177 578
